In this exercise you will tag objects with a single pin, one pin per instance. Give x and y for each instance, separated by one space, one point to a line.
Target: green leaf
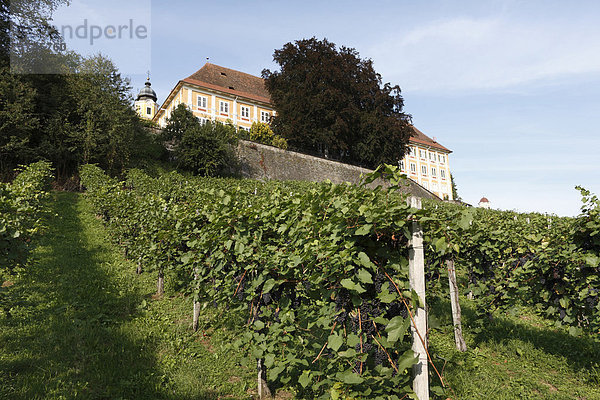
349 353
350 285
407 360
365 276
440 245
304 379
465 220
564 302
186 258
363 230
364 260
352 340
258 324
268 285
350 377
335 342
592 260
397 328
269 360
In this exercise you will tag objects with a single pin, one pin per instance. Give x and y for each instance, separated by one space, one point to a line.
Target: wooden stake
416 275
160 285
196 305
456 313
263 389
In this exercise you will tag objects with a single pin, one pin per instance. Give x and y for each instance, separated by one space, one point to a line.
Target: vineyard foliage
318 273
22 205
547 262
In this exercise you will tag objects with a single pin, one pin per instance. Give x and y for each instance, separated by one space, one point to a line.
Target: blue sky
512 87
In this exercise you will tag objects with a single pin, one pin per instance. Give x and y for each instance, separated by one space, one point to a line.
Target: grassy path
83 325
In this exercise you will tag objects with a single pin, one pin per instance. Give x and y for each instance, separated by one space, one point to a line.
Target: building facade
426 162
222 94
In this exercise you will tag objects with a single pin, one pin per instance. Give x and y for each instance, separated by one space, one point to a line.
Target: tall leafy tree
331 102
204 149
455 195
18 120
26 33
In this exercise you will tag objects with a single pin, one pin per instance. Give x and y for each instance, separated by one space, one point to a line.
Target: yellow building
217 93
145 103
426 162
220 94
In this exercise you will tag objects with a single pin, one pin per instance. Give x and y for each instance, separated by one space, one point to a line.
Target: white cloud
487 53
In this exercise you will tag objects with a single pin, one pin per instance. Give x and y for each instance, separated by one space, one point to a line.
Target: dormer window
231 87
223 73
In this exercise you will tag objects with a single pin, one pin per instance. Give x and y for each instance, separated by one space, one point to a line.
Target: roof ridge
226 68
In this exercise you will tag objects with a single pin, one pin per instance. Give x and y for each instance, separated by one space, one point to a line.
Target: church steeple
145 103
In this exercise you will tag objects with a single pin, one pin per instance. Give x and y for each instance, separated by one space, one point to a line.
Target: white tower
484 203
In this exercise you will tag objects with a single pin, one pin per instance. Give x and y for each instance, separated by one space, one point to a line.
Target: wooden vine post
196 315
416 275
263 389
456 313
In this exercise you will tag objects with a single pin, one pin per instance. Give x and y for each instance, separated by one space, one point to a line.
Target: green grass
515 356
84 325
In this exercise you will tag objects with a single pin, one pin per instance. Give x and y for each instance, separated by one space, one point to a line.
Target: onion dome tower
145 103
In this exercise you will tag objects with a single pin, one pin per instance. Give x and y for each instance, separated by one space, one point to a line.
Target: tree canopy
332 103
204 149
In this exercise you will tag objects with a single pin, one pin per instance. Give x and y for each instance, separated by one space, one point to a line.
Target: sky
511 87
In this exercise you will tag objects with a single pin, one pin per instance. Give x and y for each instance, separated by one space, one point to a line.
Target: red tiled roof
230 81
421 138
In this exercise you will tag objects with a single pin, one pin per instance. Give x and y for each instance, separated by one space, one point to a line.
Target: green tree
80 116
18 120
262 133
333 103
26 34
204 149
455 195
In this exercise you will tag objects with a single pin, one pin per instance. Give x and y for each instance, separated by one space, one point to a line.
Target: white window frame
433 172
424 170
245 112
401 164
148 110
413 167
441 158
423 154
223 107
265 116
432 156
443 173
202 102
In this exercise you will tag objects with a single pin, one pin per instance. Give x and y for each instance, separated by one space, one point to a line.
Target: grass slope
84 325
514 356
